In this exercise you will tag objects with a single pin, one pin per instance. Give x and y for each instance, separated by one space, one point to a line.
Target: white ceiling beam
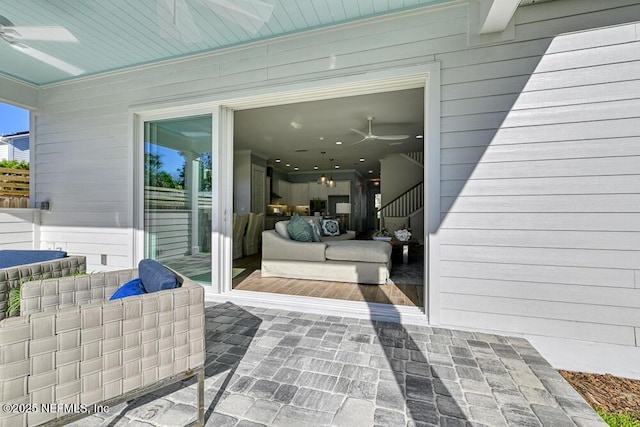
498 15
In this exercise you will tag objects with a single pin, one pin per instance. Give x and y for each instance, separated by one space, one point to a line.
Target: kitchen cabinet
342 188
283 189
300 194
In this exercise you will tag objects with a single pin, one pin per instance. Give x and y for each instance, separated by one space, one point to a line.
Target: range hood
274 196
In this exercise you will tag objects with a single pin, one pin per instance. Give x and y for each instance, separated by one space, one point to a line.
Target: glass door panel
177 195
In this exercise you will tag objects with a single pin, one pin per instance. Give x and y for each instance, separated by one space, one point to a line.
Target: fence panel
14 182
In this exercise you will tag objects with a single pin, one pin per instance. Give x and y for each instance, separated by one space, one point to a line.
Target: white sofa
337 259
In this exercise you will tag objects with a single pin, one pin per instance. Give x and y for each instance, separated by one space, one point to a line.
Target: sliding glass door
178 194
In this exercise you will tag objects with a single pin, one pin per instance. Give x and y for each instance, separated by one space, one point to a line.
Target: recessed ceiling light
295 125
370 171
337 166
338 142
296 168
419 136
361 159
321 138
315 168
278 160
287 165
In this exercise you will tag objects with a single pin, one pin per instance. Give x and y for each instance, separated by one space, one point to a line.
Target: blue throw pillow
133 287
156 277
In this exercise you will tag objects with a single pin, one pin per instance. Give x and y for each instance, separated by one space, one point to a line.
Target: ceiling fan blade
359 132
50 34
176 22
249 14
358 142
392 137
47 59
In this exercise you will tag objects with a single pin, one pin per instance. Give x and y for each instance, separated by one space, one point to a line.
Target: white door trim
221 106
427 76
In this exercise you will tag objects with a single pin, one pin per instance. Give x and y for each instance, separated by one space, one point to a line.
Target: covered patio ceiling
46 41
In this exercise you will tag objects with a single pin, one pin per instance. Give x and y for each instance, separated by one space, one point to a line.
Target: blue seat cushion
133 287
14 257
156 277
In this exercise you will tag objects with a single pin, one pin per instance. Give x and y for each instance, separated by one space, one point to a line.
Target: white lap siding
540 189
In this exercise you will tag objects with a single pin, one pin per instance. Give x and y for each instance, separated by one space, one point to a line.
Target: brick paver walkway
274 368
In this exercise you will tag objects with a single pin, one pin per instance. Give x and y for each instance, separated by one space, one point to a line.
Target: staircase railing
406 203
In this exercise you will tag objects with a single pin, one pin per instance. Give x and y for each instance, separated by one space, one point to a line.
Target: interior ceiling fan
15 37
175 19
371 136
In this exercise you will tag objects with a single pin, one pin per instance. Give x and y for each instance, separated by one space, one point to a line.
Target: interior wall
242 182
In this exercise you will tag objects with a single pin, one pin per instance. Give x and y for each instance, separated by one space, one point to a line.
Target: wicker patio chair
12 277
72 348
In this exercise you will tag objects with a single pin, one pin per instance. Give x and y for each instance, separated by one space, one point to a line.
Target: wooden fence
14 188
171 198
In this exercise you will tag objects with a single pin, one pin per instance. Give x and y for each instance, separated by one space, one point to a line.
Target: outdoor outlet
103 259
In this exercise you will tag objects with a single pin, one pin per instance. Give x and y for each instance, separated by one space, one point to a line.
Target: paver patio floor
276 368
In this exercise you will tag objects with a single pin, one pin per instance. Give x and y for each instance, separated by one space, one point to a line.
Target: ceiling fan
175 19
14 37
371 136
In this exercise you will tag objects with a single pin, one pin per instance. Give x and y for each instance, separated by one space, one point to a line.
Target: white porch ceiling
115 34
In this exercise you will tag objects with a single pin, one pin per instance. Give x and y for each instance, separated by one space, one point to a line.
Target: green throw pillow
299 229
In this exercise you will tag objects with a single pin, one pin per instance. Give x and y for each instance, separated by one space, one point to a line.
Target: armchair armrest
277 247
95 351
71 291
13 277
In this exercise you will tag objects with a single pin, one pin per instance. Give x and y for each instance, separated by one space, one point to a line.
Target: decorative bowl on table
403 235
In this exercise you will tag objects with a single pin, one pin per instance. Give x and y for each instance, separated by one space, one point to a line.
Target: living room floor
406 288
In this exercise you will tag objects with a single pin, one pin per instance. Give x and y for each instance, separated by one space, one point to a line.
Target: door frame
222 106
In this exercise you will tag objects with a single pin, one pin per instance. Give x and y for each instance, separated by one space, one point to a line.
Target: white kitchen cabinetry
299 194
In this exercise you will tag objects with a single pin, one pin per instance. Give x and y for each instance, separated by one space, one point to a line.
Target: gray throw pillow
299 229
317 236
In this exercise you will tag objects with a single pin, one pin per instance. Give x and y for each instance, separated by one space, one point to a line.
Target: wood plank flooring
408 295
398 293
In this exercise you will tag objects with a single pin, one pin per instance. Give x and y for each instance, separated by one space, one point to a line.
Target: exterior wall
20 149
15 148
540 186
19 228
539 141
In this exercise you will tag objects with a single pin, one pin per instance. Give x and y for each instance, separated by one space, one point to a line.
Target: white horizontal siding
541 180
584 276
18 228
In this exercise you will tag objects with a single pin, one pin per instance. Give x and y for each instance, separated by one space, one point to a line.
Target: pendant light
331 183
322 180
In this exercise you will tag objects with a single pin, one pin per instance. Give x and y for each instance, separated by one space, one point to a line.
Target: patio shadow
229 331
421 366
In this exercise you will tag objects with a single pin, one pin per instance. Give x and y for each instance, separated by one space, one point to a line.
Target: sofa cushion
13 257
349 235
330 227
358 250
299 229
281 229
133 287
156 277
